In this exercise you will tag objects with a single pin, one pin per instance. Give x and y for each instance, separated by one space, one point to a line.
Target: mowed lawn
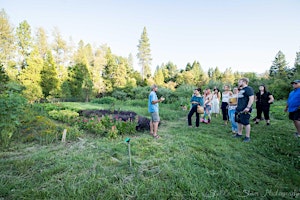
185 163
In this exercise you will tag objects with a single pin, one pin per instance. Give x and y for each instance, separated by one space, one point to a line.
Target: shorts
295 116
242 118
155 117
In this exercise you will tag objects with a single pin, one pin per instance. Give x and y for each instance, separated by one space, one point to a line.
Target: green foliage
140 92
167 94
170 164
30 77
49 77
66 116
11 112
106 126
120 95
104 100
280 89
41 129
144 54
3 79
79 82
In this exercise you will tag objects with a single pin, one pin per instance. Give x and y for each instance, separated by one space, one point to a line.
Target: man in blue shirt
153 108
293 105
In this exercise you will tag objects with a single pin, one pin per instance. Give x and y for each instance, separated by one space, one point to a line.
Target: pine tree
30 77
49 82
144 54
41 42
279 66
24 41
297 65
7 40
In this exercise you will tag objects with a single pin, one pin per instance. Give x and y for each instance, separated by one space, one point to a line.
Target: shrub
104 100
11 113
120 95
40 128
140 92
67 116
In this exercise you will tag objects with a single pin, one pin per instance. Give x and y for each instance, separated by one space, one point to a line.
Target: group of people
236 107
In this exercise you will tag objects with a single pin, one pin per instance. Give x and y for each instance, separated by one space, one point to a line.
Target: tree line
62 70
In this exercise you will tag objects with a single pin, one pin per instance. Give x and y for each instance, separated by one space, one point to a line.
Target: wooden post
63 139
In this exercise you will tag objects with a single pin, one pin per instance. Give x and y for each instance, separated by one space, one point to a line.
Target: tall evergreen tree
49 80
41 42
279 66
59 47
30 77
24 40
216 75
7 39
79 83
144 54
297 64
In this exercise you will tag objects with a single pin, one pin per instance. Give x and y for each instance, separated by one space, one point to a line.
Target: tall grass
185 163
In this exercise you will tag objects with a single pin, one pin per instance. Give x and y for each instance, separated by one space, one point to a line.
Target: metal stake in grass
128 142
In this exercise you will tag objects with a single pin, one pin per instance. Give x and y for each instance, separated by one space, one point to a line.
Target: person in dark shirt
263 100
244 108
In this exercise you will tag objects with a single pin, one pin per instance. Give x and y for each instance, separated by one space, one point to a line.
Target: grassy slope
185 163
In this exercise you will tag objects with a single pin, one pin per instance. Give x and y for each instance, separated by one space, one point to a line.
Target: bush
11 114
140 92
120 95
67 116
104 100
40 128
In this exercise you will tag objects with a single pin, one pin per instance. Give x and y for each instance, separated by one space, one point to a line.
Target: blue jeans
231 114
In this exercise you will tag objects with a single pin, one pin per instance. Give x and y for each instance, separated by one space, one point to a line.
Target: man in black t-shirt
244 108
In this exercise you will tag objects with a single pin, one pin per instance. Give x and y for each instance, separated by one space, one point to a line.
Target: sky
244 35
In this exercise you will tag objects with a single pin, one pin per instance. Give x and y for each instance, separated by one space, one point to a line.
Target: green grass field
185 163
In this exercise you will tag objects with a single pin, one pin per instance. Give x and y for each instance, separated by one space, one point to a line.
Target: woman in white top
215 103
225 99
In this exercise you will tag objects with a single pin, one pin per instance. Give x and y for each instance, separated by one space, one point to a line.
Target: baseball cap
295 81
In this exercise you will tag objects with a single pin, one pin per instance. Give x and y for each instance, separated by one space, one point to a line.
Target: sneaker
246 139
255 122
297 135
237 136
268 124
